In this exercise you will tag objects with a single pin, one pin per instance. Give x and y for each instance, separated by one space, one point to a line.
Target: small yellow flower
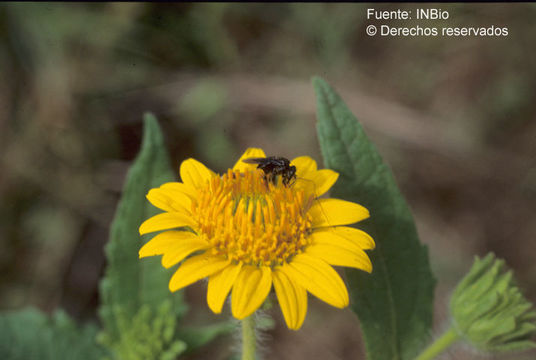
245 234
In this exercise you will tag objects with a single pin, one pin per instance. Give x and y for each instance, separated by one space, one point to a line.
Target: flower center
249 219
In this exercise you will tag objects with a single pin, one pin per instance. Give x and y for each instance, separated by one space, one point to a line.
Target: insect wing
254 160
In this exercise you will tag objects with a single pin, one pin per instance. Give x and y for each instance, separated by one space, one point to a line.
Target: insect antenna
309 202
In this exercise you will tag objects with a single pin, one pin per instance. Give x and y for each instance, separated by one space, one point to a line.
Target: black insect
274 166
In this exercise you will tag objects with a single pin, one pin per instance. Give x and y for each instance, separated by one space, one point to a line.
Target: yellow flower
245 233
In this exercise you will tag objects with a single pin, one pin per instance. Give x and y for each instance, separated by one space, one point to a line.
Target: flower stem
440 345
249 341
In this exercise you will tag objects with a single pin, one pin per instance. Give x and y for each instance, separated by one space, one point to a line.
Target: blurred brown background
454 117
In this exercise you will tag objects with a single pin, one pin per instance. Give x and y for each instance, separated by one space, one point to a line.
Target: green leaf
395 302
31 335
129 282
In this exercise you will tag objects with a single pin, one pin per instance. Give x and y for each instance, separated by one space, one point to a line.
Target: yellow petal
219 286
164 221
314 181
339 256
292 299
324 180
250 290
332 236
305 166
249 153
180 189
319 278
169 201
332 212
318 183
194 173
196 268
180 252
359 237
166 242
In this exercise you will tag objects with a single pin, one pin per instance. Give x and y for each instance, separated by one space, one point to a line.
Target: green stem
249 341
440 345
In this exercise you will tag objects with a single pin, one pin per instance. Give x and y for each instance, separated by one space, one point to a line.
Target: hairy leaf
394 303
149 335
130 282
31 335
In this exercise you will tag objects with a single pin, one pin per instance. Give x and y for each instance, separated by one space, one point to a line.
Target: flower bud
489 311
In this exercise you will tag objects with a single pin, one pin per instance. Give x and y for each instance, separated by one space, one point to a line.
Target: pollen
248 219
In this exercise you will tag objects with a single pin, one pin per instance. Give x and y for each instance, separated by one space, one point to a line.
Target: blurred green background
454 117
